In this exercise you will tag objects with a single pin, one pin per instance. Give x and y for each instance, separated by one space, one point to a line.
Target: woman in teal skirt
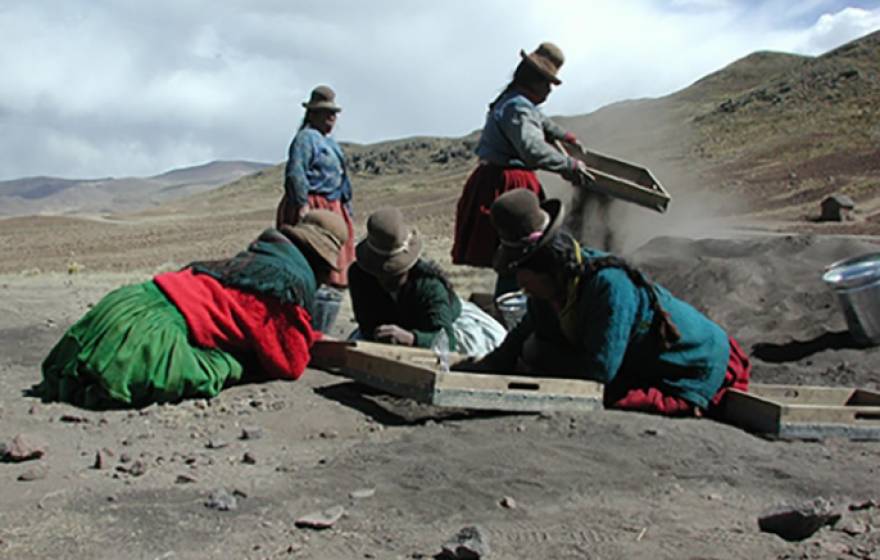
189 333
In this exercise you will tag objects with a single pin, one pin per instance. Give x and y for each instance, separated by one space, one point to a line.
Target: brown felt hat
523 225
323 97
325 232
391 247
546 59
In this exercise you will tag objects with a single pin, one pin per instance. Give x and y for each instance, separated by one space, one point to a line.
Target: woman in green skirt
189 333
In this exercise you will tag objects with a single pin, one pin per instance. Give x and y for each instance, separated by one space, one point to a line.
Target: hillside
757 144
764 139
52 195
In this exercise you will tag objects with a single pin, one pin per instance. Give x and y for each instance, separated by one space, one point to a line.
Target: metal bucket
512 307
856 282
327 302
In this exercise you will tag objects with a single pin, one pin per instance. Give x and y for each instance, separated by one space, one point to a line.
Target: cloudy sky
95 88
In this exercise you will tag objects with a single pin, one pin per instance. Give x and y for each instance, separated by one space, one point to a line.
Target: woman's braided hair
559 255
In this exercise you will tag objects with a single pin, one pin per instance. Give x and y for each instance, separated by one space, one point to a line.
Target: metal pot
856 281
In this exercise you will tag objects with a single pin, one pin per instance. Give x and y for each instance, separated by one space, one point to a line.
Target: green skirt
132 349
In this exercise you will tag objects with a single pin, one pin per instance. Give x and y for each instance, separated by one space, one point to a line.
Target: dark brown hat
523 225
546 59
323 97
325 232
391 247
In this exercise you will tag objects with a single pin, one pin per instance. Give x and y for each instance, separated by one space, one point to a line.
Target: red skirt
475 239
288 213
653 400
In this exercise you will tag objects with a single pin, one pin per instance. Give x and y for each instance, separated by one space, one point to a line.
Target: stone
73 419
470 543
252 432
796 523
320 520
216 444
138 468
362 493
100 460
35 473
248 458
852 527
867 504
221 500
507 502
184 479
23 448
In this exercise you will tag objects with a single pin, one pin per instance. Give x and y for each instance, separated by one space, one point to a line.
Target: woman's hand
582 175
302 211
572 141
394 334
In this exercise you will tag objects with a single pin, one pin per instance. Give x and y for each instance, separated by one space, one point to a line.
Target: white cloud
95 88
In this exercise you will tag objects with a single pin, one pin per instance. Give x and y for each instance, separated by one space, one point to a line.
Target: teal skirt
130 350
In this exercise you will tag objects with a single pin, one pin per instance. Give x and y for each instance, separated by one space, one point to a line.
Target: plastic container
327 303
440 346
512 307
856 282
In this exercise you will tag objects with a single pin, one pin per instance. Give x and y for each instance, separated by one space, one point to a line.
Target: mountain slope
51 195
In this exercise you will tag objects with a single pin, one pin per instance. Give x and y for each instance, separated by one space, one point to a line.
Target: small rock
330 434
35 473
469 543
796 523
100 460
852 527
362 493
23 448
252 432
868 504
124 458
507 502
216 444
138 468
239 493
652 432
221 500
73 419
248 458
184 479
321 519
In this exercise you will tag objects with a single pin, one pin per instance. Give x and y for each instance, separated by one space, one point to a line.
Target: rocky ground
231 477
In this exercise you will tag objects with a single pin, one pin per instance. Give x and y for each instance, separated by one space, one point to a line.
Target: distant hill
52 195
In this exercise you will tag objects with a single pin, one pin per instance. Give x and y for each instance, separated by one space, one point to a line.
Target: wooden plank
413 373
806 394
751 412
805 412
329 353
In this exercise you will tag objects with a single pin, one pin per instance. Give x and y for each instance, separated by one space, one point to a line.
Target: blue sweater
614 337
316 165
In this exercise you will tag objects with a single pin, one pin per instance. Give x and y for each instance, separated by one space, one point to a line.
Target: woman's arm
524 128
299 158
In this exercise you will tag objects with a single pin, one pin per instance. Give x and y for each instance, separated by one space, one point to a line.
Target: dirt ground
587 485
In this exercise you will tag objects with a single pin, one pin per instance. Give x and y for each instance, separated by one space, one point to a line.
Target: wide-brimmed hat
323 97
391 247
546 59
323 231
523 225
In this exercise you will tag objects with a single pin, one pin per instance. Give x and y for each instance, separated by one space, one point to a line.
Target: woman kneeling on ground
401 298
189 333
592 316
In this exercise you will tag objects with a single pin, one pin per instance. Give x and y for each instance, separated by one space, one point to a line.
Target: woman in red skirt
515 142
315 177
